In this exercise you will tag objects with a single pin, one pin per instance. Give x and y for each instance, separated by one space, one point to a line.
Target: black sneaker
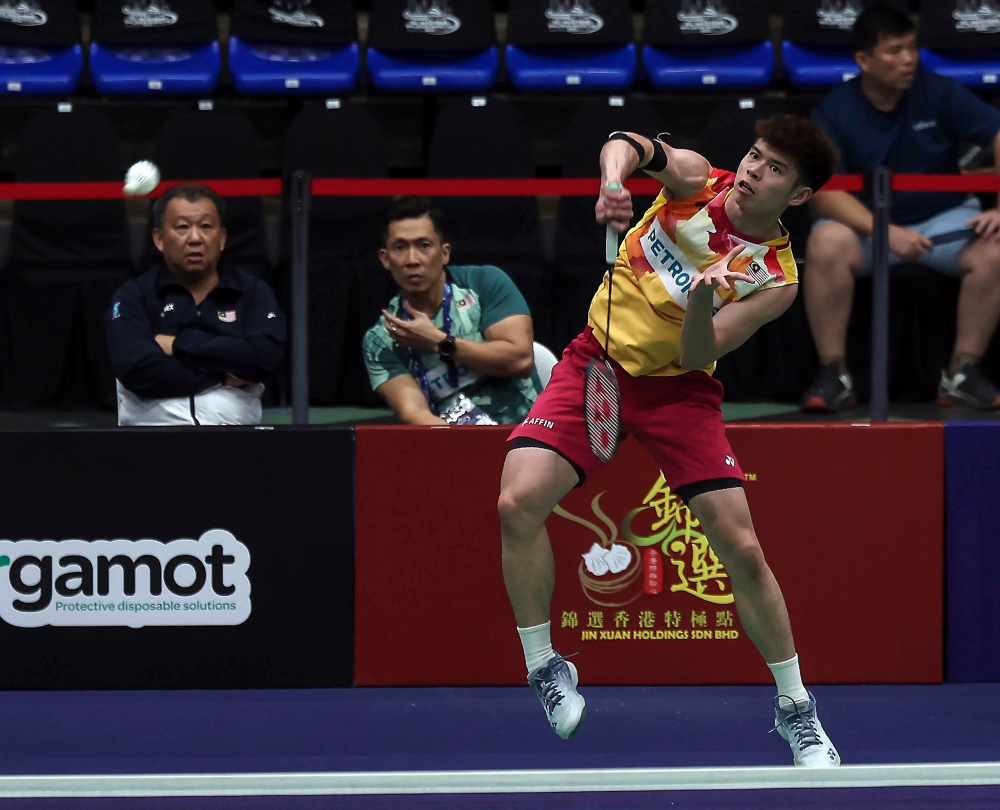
969 388
832 391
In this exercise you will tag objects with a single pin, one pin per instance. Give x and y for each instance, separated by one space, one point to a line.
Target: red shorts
677 419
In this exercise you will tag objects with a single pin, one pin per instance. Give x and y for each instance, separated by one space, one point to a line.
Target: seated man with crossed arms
455 345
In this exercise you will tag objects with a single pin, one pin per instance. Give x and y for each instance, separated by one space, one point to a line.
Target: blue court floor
679 747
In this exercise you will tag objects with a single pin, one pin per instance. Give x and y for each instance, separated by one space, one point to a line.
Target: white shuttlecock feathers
141 178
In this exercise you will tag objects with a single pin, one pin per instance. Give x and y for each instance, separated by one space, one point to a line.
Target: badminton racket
602 404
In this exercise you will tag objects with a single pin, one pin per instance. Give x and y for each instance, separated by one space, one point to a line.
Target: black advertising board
193 558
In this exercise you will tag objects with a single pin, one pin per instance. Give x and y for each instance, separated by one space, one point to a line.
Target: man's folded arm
252 356
138 361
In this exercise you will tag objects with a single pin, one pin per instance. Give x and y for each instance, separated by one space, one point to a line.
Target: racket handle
611 237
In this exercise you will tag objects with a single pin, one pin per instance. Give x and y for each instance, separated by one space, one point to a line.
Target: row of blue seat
282 69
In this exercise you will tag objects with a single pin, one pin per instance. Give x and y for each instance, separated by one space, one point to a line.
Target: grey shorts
943 258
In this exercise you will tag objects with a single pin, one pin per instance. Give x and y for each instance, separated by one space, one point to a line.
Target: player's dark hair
804 143
191 193
415 208
877 21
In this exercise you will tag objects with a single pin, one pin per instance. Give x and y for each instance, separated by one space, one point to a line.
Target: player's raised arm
681 171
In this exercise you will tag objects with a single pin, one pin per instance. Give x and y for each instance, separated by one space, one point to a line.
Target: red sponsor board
850 519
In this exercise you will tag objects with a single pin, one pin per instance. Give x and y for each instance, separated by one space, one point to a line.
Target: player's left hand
986 224
719 274
614 207
166 342
420 333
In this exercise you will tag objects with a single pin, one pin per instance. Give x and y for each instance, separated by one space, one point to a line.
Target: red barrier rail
436 187
113 190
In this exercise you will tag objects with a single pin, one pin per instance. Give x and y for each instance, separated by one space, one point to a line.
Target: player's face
191 238
892 64
766 180
415 254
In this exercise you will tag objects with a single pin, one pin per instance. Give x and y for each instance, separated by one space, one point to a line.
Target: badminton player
706 266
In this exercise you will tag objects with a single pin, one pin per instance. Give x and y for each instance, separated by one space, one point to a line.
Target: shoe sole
817 405
583 712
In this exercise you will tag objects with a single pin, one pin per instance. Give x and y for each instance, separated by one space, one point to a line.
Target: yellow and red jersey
659 258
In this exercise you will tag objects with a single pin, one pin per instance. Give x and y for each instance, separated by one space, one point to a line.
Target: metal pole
881 198
299 200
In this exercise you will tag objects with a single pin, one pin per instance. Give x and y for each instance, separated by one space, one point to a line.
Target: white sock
537 645
789 679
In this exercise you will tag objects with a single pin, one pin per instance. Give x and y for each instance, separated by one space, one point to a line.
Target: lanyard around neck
418 365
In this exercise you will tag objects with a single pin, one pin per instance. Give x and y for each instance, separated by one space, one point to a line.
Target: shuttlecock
141 178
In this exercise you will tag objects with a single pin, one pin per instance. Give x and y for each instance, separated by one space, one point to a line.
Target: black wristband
624 136
659 160
657 163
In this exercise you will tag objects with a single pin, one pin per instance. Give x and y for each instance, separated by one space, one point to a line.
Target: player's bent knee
741 555
517 511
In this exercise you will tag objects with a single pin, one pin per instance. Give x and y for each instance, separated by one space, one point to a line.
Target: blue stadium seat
816 66
141 47
40 52
707 44
816 49
432 45
423 71
282 68
700 65
611 68
961 40
170 70
571 44
305 46
39 71
975 68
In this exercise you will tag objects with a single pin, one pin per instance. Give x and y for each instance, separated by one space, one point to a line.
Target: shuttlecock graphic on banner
141 178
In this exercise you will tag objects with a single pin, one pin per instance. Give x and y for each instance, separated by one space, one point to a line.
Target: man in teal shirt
455 345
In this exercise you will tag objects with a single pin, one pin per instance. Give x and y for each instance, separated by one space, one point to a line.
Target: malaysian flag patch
229 316
758 274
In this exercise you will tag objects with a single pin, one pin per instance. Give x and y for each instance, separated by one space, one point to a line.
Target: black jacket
237 330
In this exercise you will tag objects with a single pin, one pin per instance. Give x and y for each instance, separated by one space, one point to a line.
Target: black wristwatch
446 348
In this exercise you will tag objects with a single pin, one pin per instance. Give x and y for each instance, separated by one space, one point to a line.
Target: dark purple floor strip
476 728
936 798
497 728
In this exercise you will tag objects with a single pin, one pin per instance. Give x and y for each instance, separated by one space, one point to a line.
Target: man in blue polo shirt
191 341
455 345
912 121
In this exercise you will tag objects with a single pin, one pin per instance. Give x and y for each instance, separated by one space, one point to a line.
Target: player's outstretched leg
725 519
535 480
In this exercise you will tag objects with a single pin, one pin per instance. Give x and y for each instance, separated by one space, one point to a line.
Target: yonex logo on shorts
730 461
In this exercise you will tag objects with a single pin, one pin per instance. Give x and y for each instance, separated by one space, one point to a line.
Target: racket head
602 408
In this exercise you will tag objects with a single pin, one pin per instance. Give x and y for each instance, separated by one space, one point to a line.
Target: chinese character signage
850 520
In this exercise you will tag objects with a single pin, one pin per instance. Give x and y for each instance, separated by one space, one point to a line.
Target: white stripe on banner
499 781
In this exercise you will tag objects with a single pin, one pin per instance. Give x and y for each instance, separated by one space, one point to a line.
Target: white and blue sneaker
555 684
799 725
